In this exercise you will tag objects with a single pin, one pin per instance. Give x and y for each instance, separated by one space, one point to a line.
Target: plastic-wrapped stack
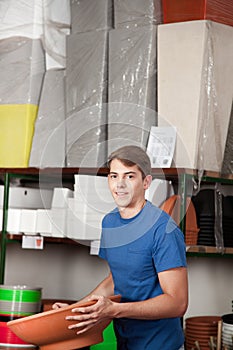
39 19
132 91
48 144
131 14
86 97
90 16
17 301
56 26
195 73
132 85
32 40
22 69
86 82
111 77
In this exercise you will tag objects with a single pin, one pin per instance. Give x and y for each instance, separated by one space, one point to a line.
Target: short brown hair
132 155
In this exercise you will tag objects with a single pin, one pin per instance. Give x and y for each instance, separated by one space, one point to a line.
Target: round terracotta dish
49 330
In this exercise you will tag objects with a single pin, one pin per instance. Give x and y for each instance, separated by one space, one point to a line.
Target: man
145 251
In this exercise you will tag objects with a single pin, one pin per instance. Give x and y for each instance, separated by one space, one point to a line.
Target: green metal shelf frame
4 239
4 226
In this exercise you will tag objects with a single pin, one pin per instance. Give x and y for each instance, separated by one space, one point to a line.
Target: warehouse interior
80 78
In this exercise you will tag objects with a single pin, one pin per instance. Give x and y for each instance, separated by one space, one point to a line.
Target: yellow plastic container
16 132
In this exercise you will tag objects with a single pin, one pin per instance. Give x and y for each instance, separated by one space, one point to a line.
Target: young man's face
126 184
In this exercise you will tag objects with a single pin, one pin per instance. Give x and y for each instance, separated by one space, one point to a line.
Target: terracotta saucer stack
200 329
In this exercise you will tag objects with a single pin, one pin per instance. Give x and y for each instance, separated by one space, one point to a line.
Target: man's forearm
105 288
162 306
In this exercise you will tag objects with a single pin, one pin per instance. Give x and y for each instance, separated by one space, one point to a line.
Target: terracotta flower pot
172 207
49 330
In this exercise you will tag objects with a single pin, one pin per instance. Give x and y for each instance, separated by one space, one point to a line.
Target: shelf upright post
4 227
186 181
183 196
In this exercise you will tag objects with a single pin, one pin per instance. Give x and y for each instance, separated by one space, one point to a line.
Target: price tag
32 242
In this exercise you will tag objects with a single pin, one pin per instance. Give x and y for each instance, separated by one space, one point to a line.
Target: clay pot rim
19 287
27 328
62 310
203 320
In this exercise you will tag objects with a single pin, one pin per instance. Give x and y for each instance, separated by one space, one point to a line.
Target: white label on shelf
32 242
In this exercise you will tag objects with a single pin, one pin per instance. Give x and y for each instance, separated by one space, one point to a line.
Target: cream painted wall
63 271
210 286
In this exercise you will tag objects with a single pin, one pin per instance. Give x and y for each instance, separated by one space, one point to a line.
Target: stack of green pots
16 302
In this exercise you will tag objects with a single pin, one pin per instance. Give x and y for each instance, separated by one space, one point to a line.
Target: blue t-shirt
137 249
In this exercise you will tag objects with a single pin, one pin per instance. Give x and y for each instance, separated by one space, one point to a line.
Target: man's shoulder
111 215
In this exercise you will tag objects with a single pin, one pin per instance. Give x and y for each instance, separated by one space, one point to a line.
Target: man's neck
130 212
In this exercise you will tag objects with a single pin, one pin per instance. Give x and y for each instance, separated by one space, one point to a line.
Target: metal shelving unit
184 179
46 175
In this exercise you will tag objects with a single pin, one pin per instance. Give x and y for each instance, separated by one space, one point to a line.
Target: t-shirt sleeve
102 251
169 249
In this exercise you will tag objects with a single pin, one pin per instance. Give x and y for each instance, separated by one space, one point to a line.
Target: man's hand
58 305
91 315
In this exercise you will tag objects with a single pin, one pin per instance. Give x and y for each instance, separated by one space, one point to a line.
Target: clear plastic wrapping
131 14
195 74
89 15
21 18
48 20
86 137
215 97
131 85
86 96
57 23
48 146
22 67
